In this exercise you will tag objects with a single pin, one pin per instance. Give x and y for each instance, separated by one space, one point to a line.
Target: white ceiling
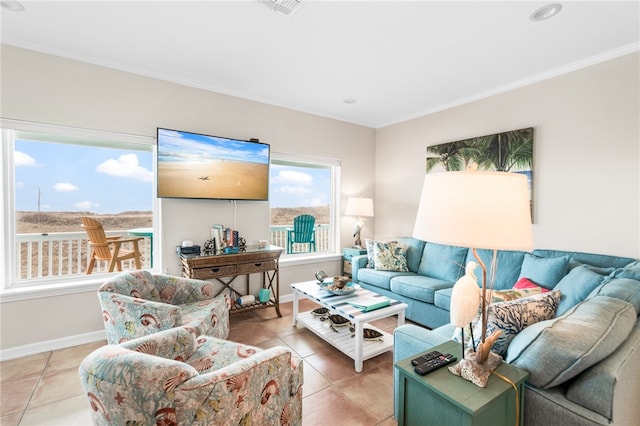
398 59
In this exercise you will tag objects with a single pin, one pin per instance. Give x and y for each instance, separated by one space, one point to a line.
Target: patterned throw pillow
390 256
371 260
497 296
514 316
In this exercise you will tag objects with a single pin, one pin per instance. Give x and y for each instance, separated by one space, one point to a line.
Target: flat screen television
193 165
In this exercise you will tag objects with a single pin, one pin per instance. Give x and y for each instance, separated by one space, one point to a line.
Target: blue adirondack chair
303 232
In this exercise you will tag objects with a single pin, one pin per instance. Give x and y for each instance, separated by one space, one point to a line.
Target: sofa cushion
559 349
381 279
593 259
513 316
594 389
418 287
442 298
576 286
621 288
508 265
443 262
546 272
390 256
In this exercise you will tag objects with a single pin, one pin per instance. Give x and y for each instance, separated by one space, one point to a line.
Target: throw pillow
524 283
371 260
576 286
544 271
495 296
559 349
513 316
631 271
389 256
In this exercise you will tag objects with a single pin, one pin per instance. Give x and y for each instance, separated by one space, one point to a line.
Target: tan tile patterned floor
45 389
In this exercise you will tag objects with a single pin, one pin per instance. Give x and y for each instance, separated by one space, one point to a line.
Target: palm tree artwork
510 151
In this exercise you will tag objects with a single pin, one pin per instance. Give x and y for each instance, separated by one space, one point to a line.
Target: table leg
295 308
357 356
401 318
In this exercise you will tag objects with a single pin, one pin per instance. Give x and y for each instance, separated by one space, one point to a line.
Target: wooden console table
225 268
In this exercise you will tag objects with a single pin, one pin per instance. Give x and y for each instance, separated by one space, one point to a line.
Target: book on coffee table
366 304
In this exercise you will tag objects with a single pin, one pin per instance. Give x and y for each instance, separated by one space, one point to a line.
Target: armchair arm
176 343
178 290
126 317
124 385
260 384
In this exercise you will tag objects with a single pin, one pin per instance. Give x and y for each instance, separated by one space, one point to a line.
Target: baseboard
67 342
52 345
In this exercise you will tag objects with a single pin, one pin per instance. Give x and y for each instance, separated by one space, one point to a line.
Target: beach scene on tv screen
199 166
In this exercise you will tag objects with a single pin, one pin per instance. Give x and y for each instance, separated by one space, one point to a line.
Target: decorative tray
348 289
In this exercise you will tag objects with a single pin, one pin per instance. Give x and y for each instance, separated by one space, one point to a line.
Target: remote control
424 358
434 364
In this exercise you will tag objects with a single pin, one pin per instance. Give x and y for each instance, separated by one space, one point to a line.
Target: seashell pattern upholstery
139 303
173 378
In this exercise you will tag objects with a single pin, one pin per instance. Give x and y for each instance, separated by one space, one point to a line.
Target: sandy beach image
223 179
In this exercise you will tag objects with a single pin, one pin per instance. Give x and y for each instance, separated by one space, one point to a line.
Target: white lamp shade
359 207
483 210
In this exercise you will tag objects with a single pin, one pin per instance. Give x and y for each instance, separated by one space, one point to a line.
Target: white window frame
12 289
334 208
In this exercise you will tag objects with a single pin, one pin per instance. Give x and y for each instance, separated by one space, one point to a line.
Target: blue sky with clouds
82 178
106 180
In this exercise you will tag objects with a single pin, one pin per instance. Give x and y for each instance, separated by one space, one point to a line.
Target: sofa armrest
127 317
357 263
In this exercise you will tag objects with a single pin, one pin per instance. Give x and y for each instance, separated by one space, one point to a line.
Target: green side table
443 398
347 254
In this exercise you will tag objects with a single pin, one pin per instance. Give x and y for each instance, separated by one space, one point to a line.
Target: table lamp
359 207
480 210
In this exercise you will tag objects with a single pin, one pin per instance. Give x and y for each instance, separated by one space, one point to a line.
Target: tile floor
45 389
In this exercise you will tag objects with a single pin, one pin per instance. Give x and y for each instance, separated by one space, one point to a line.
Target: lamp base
469 368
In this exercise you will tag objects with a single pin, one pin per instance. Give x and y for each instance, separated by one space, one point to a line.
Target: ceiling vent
285 7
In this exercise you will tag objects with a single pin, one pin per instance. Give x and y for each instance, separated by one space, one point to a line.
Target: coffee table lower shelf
342 339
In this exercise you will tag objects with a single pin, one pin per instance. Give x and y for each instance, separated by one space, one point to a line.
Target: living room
586 160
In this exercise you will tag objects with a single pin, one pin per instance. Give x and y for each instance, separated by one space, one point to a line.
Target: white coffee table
341 338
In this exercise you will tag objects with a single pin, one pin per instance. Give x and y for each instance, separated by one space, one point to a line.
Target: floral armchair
172 378
139 303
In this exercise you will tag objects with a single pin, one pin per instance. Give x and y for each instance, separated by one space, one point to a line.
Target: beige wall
47 89
586 157
586 160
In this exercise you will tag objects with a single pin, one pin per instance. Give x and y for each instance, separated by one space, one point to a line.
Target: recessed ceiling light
12 5
546 12
349 100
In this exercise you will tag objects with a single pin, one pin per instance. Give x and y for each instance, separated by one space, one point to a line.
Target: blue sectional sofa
584 363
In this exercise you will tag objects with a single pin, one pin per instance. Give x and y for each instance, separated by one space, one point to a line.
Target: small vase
264 295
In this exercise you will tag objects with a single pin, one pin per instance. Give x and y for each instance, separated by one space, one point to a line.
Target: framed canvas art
510 151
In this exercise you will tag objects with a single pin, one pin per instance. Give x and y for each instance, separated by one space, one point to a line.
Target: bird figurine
465 298
357 228
465 301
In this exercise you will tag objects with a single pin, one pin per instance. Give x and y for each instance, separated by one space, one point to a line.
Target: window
304 185
53 176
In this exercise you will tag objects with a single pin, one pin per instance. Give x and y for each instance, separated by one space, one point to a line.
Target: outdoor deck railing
66 253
